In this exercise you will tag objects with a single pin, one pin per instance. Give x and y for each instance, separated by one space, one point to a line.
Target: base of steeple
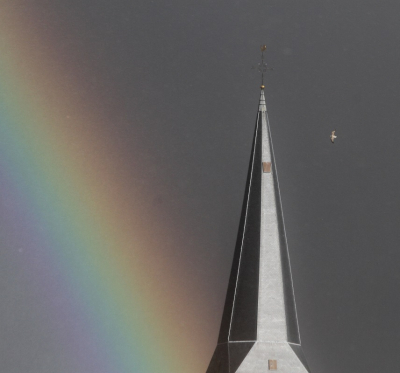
258 357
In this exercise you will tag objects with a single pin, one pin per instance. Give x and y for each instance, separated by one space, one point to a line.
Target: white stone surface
257 359
271 323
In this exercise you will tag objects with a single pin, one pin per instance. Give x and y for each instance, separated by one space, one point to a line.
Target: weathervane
262 66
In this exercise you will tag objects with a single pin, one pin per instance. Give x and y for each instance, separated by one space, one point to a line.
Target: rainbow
64 188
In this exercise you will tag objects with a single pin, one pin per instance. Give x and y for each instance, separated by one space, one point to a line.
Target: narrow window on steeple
266 166
272 365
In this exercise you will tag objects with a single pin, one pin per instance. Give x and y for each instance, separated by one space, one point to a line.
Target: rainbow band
67 199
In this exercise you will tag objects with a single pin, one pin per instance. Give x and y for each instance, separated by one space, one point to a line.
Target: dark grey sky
181 71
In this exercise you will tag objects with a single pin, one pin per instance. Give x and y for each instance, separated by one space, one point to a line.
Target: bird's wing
333 133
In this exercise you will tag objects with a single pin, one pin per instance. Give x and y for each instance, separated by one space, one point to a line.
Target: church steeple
259 329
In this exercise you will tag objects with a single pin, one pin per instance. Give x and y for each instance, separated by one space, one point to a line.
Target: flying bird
333 137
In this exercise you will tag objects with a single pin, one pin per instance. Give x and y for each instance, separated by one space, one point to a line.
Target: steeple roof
260 309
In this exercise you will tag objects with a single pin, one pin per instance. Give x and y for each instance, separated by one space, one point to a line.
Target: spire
259 328
262 107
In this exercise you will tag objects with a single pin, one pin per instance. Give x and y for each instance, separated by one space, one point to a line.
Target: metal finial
262 66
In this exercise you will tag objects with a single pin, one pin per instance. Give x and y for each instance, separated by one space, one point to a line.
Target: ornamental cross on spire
262 66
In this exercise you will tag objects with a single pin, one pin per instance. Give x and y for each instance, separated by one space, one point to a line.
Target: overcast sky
181 73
